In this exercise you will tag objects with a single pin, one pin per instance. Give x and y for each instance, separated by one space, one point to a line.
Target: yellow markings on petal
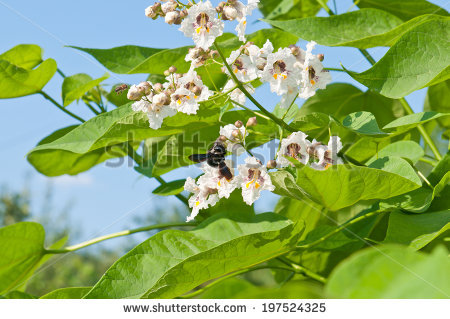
197 203
245 22
257 185
275 76
218 183
207 29
284 76
179 102
195 97
327 165
198 30
248 184
313 82
236 70
188 97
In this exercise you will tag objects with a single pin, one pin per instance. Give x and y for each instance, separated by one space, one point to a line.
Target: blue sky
105 199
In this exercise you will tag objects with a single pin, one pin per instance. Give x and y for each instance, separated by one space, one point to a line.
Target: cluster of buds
230 10
172 12
198 56
136 92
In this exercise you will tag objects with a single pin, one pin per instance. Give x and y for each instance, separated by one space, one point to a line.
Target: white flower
155 109
202 24
241 12
214 179
191 91
280 71
202 197
237 95
234 143
242 66
254 178
197 57
295 146
313 75
327 154
288 98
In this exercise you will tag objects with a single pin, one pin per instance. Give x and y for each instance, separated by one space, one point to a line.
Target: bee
215 157
121 88
312 75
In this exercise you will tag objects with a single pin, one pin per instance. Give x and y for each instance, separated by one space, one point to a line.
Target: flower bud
196 90
133 93
158 87
222 138
172 69
214 54
144 88
166 73
230 13
294 49
159 99
236 134
238 124
153 11
172 17
271 164
321 57
183 13
169 6
252 121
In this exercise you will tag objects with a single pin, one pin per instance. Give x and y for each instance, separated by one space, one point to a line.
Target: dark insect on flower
215 158
121 88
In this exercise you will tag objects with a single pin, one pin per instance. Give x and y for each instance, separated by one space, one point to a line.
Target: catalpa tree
363 180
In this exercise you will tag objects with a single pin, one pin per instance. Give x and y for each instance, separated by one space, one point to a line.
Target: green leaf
280 112
25 56
405 149
416 230
438 100
363 123
67 293
22 247
396 165
311 122
288 9
100 138
440 170
15 294
404 9
173 262
406 67
410 121
16 81
393 272
417 201
121 59
341 185
341 99
74 87
171 188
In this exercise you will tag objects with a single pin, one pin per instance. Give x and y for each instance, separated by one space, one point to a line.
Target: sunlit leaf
75 86
25 56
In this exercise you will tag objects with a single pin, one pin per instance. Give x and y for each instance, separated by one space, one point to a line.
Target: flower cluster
314 153
181 93
213 185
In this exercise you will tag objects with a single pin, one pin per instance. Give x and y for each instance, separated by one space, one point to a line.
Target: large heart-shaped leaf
405 149
99 138
406 67
288 9
16 81
21 249
363 123
416 230
67 293
173 262
25 56
121 59
396 165
391 272
404 9
341 185
438 100
366 28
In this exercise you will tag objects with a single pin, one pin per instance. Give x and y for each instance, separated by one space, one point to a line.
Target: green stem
115 235
426 137
367 56
140 161
334 69
325 7
302 270
250 97
236 273
61 73
428 161
250 110
92 108
59 106
337 230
